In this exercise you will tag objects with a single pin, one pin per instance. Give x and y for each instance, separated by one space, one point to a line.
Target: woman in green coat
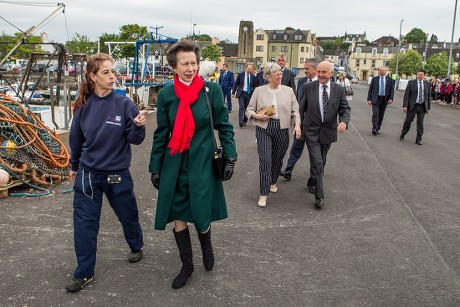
181 158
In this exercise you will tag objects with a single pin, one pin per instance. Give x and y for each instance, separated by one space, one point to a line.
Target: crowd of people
182 167
445 91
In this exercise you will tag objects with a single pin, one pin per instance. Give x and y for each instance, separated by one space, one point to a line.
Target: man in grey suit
416 102
319 108
288 75
380 94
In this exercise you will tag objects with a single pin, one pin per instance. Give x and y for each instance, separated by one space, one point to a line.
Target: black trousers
317 153
378 112
419 110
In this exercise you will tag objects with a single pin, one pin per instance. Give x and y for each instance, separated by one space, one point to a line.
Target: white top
275 101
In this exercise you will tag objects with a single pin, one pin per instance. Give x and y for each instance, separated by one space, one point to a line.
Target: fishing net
29 150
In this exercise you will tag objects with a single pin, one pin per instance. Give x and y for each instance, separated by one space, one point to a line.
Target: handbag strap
210 115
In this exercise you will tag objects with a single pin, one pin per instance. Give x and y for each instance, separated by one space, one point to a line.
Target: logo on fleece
114 120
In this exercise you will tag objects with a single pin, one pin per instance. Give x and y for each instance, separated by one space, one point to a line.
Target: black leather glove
155 178
228 169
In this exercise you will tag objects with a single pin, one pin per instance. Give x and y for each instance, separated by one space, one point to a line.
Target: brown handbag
269 111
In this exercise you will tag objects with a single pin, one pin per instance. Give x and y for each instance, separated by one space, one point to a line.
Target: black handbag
349 91
218 158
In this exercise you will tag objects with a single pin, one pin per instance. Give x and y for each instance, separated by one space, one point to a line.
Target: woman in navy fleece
103 127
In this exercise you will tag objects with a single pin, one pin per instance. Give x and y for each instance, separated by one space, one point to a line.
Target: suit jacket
288 107
314 129
288 79
411 95
300 84
238 87
260 80
373 92
226 82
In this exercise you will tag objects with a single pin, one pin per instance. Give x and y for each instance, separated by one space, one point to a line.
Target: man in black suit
416 101
260 80
298 144
380 94
288 76
226 81
242 89
322 103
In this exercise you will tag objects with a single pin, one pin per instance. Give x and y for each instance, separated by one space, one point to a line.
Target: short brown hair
184 46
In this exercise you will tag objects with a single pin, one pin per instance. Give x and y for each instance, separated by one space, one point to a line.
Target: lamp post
399 49
194 31
451 40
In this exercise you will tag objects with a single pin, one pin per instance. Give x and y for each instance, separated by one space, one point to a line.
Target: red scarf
184 126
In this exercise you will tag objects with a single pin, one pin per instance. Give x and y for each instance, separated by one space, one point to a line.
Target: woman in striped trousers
272 130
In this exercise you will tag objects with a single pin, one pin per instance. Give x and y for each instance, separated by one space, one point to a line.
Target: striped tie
420 92
325 100
382 87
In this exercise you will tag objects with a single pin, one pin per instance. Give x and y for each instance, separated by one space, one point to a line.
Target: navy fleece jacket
101 133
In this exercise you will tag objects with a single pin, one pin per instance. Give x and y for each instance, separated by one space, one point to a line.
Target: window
273 48
358 50
306 50
385 51
301 60
374 51
302 49
274 36
259 48
373 63
284 48
285 37
357 63
260 37
364 62
298 37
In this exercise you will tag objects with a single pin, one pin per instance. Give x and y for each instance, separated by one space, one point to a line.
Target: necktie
420 92
225 73
249 84
382 87
325 100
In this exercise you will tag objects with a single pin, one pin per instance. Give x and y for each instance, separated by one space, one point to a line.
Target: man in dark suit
288 76
380 94
226 81
322 103
260 80
416 101
298 145
242 89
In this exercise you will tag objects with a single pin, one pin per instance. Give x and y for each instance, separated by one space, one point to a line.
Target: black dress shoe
312 189
319 202
419 142
378 131
374 132
241 125
401 137
287 175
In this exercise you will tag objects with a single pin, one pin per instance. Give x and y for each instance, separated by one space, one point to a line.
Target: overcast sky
221 18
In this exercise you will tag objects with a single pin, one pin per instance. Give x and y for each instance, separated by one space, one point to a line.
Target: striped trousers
272 144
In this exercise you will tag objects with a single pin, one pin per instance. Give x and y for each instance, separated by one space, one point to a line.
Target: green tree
131 33
436 65
457 69
105 37
199 37
211 52
409 63
80 43
24 50
416 35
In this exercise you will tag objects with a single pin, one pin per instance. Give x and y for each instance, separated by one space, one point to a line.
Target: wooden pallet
4 188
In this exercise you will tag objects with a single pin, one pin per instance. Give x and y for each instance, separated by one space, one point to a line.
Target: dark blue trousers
243 101
228 97
89 188
296 152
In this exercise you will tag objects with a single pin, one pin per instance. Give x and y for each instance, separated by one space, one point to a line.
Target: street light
194 31
399 49
451 40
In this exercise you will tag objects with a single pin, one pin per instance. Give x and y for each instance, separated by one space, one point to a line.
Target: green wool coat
189 190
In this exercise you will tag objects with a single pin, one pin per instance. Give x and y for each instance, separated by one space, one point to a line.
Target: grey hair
270 69
207 69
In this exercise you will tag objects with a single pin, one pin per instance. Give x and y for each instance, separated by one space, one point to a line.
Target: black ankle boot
185 252
206 248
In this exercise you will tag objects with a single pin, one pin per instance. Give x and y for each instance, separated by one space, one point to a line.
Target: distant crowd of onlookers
445 91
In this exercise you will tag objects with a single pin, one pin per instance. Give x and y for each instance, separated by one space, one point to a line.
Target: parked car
354 79
120 69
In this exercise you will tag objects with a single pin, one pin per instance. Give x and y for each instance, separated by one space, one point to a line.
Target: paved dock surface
388 234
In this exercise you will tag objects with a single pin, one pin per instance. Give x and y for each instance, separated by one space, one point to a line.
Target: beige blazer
288 107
